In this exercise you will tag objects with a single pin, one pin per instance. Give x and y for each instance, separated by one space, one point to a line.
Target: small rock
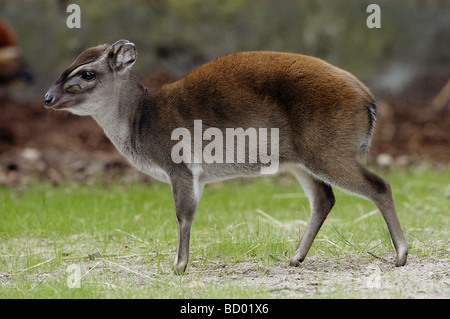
30 154
385 160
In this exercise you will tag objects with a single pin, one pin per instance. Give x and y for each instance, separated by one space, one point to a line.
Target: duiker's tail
371 114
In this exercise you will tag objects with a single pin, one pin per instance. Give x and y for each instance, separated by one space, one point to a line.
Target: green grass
122 238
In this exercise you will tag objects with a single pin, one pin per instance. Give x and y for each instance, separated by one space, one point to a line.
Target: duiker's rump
320 120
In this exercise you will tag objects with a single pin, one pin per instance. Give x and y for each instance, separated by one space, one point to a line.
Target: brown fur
320 109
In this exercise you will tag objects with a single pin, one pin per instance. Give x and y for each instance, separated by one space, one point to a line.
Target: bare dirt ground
317 277
350 277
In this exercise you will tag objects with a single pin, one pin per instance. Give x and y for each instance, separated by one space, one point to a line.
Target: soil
48 145
354 276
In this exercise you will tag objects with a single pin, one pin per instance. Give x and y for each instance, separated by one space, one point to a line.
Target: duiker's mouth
62 106
51 103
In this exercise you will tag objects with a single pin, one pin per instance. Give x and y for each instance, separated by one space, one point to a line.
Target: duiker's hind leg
321 200
356 179
382 197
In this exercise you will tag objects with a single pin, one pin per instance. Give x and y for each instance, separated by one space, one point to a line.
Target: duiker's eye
88 75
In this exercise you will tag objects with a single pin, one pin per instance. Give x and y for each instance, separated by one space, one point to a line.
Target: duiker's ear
123 55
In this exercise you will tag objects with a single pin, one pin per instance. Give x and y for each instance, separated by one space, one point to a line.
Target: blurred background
405 63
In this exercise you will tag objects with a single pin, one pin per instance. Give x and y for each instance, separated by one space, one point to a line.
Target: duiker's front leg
186 203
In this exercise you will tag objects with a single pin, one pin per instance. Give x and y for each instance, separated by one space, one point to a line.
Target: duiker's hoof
295 260
179 269
401 259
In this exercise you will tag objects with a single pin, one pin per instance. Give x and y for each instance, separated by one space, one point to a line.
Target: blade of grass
33 267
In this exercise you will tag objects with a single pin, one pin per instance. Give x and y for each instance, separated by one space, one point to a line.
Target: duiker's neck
118 117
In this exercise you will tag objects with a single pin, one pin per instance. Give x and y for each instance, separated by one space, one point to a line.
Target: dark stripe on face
88 56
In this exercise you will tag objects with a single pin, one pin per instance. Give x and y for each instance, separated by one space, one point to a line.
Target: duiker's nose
49 99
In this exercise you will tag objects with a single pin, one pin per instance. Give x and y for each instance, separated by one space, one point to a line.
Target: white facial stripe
82 67
87 66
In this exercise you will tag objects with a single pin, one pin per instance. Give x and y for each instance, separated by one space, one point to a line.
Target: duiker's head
93 80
